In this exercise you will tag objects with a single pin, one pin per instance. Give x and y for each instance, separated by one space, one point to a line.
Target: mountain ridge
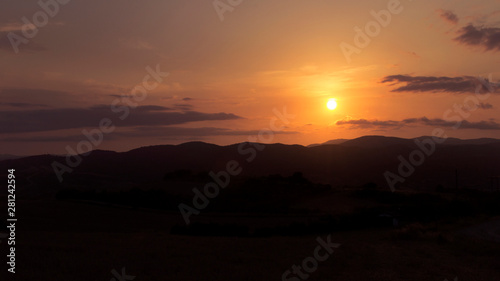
352 163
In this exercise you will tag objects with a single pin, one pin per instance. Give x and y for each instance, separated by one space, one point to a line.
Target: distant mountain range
8 156
343 164
335 141
374 141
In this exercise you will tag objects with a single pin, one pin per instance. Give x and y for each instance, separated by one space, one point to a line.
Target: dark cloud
481 125
448 16
463 84
478 106
187 99
485 105
436 122
69 118
480 36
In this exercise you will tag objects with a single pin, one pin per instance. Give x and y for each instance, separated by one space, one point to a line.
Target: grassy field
72 241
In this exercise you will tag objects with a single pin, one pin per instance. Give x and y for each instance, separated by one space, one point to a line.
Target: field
59 240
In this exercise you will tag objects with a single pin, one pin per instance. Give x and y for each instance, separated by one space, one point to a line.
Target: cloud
41 96
478 106
27 92
70 118
436 122
146 108
14 26
463 84
15 31
413 54
363 123
448 16
73 138
183 106
190 132
187 99
22 104
6 45
485 106
122 96
479 36
143 132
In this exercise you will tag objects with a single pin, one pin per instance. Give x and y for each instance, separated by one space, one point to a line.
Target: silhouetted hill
455 141
335 141
378 142
352 163
382 141
8 156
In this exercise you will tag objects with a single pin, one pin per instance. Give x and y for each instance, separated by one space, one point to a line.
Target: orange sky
226 76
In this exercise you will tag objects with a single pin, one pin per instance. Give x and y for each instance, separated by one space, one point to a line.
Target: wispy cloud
147 132
70 118
12 31
14 26
436 122
485 105
22 104
448 16
6 45
487 38
190 132
28 92
363 123
183 106
122 96
463 84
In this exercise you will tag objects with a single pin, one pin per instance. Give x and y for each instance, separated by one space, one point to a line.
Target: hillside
351 163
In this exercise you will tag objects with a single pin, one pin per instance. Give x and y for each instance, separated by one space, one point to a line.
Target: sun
331 104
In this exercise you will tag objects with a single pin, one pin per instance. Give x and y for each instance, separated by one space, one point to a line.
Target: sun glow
331 104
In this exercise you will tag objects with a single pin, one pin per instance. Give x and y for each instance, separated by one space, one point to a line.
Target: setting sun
331 104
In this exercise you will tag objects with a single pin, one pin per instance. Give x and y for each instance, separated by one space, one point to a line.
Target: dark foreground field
63 240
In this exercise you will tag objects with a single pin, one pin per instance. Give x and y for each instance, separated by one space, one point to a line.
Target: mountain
455 141
383 141
8 156
335 141
348 164
378 142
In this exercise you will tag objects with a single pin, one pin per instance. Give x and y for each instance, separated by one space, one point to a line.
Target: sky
229 71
